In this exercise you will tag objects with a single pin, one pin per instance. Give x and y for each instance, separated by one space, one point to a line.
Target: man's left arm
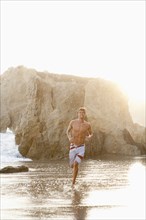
89 132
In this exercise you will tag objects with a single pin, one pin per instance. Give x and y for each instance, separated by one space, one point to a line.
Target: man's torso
79 131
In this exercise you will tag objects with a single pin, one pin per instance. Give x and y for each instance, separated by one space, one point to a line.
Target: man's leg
75 171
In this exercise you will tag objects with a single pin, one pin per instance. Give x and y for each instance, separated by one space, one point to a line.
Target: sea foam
8 148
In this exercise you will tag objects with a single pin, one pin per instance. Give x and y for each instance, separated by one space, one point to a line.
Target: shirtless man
78 132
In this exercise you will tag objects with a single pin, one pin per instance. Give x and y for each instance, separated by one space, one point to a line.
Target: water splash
8 148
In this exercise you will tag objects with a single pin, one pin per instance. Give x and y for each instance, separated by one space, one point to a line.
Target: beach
107 187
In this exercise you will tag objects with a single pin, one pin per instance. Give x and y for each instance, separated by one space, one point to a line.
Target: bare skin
78 132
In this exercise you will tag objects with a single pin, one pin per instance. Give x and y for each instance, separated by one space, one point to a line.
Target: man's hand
87 138
71 140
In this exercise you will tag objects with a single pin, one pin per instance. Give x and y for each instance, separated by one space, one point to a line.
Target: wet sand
106 188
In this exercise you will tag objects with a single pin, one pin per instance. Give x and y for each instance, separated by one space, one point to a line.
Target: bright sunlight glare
125 203
135 90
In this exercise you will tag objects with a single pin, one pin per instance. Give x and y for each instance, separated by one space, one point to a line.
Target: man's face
81 114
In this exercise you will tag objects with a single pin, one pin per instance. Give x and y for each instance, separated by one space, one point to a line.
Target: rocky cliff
38 106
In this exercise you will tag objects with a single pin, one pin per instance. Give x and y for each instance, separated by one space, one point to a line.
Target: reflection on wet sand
79 211
105 189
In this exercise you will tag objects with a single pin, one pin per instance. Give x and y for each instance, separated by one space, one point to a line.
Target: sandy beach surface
106 188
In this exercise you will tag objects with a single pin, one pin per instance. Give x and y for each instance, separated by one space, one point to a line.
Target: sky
103 39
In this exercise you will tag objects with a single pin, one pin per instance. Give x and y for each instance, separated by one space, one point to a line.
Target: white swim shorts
76 153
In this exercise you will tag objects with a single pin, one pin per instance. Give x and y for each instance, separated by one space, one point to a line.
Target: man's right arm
69 133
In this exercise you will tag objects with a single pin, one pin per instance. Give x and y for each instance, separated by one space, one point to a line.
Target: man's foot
73 186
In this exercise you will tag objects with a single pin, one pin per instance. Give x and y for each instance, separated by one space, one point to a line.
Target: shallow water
106 188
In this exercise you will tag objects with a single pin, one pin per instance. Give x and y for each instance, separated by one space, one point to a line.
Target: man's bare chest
80 128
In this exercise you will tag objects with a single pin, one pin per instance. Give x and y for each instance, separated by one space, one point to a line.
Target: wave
8 148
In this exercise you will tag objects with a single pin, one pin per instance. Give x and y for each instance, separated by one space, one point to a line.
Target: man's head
81 112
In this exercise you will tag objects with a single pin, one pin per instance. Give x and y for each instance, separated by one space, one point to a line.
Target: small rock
11 169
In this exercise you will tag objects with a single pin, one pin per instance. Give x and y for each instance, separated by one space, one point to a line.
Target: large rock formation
38 106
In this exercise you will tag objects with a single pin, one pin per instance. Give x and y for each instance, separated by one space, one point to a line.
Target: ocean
8 149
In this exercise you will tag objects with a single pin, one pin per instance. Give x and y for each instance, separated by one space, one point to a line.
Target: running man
78 132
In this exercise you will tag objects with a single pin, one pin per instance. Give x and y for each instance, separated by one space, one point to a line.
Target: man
78 132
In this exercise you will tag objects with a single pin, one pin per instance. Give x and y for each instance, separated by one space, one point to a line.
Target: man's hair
82 109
